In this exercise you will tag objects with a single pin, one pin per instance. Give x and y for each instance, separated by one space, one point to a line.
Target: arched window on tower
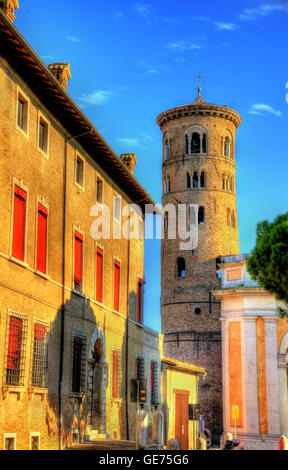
202 180
181 267
167 185
204 143
188 179
166 221
167 149
195 179
227 147
195 143
201 216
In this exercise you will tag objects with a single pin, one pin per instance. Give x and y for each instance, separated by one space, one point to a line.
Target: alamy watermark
172 222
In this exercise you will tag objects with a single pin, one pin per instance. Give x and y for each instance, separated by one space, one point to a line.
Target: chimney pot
61 72
8 7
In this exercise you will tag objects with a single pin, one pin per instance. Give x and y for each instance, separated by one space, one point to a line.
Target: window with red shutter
78 260
99 275
40 356
19 216
139 301
116 286
42 239
16 349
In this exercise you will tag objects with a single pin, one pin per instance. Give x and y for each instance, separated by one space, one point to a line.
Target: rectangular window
10 441
78 363
22 114
140 369
99 191
116 374
16 349
116 286
78 261
117 208
154 382
43 135
99 275
139 300
41 239
34 441
40 356
80 171
19 219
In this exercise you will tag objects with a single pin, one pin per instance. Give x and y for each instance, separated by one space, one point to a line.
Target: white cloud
72 38
118 15
143 9
96 98
135 141
183 46
263 10
262 109
221 26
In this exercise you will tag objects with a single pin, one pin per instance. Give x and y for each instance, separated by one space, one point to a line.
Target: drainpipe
62 335
127 343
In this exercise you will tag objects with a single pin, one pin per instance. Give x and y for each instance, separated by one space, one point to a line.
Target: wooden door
181 420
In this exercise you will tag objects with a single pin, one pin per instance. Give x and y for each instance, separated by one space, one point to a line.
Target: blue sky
132 60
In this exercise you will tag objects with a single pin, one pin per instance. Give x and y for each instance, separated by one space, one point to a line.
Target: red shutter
18 242
115 372
42 239
78 258
99 275
152 379
116 286
139 301
40 332
137 368
14 343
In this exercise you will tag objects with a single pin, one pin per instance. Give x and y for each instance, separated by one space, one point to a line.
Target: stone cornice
205 110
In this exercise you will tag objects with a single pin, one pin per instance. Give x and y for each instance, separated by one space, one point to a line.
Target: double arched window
196 140
228 183
227 145
167 185
167 149
197 180
231 219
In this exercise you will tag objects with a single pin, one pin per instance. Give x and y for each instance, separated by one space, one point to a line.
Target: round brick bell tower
198 168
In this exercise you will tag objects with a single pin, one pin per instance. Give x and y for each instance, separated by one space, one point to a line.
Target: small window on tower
202 180
201 216
188 180
195 179
181 272
204 143
195 143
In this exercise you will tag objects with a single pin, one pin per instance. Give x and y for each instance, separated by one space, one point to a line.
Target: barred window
154 383
116 374
40 356
140 368
78 363
16 349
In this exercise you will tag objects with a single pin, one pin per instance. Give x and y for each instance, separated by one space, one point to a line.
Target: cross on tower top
199 86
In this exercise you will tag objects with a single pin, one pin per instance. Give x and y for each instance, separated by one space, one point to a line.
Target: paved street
108 444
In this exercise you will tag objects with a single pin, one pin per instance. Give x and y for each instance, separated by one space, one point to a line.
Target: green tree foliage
268 264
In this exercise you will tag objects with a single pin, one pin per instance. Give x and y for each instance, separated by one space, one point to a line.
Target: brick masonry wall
181 296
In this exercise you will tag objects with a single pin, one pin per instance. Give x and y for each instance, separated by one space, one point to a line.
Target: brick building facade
71 307
198 168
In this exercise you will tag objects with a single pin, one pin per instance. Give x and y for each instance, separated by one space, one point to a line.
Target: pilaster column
201 143
252 413
272 376
283 395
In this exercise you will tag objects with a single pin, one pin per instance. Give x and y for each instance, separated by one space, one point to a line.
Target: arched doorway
98 380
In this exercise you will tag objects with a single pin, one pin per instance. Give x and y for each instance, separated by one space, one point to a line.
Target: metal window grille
16 349
40 355
155 386
78 363
140 368
116 374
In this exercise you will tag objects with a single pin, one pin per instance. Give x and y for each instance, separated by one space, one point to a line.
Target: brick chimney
129 159
61 72
8 7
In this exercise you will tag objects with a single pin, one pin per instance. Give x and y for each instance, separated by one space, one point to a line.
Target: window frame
46 346
83 360
117 261
81 233
10 436
41 117
23 349
26 99
98 178
99 248
24 188
116 394
35 434
40 201
79 157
